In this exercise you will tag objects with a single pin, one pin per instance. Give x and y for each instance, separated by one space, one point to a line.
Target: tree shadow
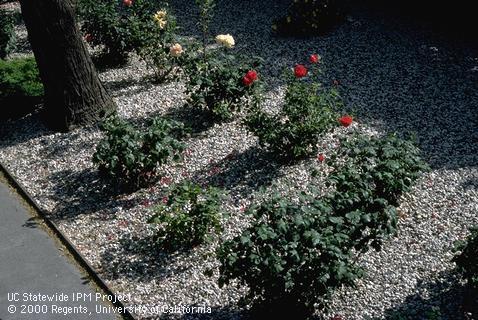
460 19
23 129
14 108
140 259
444 298
396 76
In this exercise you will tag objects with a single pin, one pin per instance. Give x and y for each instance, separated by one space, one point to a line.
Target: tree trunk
74 95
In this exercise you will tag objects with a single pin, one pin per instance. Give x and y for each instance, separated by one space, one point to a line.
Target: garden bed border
77 256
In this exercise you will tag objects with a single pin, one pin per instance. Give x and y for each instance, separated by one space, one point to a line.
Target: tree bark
74 95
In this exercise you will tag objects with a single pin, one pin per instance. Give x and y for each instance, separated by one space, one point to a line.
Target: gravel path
393 76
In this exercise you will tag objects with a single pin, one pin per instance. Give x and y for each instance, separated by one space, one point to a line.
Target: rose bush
131 157
220 85
466 258
217 81
163 53
118 27
188 216
300 249
309 111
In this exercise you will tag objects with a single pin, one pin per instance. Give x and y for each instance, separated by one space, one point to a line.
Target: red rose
346 120
300 71
321 157
314 58
249 78
128 3
252 74
247 81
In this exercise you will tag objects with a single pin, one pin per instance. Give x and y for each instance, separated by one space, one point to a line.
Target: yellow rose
160 15
226 40
162 24
160 18
176 50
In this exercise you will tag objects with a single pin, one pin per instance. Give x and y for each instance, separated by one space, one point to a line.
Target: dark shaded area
115 87
240 172
195 121
85 192
305 18
445 298
470 183
454 19
104 61
139 259
13 108
22 130
395 75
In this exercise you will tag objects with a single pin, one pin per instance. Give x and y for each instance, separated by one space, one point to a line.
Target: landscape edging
64 240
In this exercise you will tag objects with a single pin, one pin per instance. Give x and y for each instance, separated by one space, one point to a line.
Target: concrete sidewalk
37 280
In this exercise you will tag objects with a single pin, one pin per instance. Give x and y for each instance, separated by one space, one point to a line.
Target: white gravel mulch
393 76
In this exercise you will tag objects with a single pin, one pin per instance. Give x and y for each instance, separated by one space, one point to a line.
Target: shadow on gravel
446 298
240 172
195 121
128 87
470 183
395 75
140 259
22 130
85 192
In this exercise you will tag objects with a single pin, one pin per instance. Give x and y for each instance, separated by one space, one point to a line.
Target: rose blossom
314 58
249 78
176 50
247 81
300 71
225 40
252 74
160 18
346 120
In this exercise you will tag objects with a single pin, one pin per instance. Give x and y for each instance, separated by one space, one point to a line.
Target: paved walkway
34 271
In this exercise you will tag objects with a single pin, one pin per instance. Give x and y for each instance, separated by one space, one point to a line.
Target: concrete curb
64 240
